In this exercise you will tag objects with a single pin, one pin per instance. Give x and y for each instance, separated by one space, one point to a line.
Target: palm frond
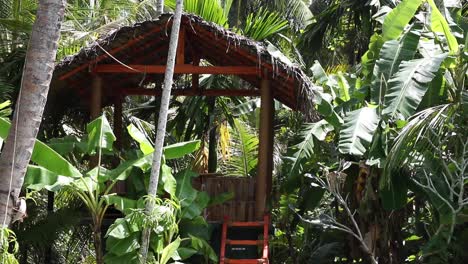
263 24
244 150
210 10
296 11
415 139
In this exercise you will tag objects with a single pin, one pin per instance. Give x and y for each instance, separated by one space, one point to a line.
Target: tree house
131 61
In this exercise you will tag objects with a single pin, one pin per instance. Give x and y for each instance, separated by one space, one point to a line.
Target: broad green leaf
319 129
104 174
396 21
65 145
197 207
343 86
358 129
393 52
168 180
407 87
185 191
123 171
186 253
121 203
203 248
181 149
196 227
121 247
38 178
145 145
100 135
130 258
169 251
393 26
439 25
121 229
319 73
305 149
44 156
87 184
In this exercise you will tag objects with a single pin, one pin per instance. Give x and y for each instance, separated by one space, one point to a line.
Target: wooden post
118 120
265 156
96 97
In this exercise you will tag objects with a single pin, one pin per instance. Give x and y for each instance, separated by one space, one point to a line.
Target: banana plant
178 230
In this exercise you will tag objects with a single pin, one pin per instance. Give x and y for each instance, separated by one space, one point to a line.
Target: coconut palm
37 74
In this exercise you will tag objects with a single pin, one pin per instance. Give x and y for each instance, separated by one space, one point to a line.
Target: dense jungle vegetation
380 176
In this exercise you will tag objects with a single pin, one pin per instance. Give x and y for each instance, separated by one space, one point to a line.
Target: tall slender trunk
37 74
160 6
161 130
98 243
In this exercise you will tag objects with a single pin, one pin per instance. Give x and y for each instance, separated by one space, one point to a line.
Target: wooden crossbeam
179 69
190 92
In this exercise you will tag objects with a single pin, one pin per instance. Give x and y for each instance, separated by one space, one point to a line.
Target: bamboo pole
161 130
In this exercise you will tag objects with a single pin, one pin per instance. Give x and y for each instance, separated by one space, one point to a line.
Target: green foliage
358 130
44 155
7 254
263 24
396 21
439 25
407 87
392 54
243 160
211 10
100 135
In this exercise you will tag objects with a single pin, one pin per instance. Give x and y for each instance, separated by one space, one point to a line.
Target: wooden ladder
264 243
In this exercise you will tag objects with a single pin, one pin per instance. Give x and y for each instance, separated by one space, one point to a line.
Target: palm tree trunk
161 130
37 74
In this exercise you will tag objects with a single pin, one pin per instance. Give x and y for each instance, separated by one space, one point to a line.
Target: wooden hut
131 61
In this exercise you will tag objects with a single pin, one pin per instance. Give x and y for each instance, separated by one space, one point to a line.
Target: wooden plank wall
240 208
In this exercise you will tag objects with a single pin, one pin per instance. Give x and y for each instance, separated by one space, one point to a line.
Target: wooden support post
96 97
265 157
118 120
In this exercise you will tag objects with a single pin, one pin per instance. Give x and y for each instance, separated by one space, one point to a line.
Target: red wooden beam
179 69
190 92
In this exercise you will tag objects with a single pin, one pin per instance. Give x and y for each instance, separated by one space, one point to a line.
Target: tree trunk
98 243
160 7
161 130
37 73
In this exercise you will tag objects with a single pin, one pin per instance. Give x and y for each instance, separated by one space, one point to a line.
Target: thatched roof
147 43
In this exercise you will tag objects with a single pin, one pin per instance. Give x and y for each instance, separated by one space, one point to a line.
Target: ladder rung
246 224
245 261
244 242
